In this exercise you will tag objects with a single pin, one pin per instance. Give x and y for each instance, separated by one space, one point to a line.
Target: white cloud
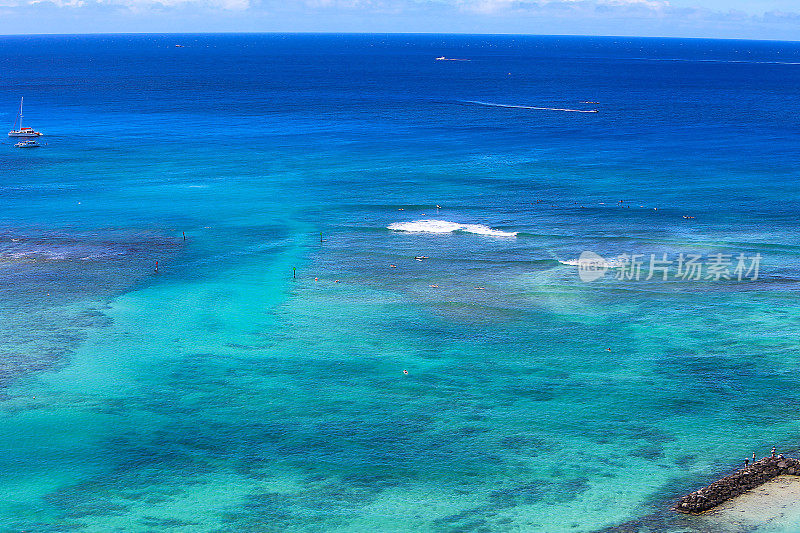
230 5
678 12
364 6
58 3
135 5
499 7
340 4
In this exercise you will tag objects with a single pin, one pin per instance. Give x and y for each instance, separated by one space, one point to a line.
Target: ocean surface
368 312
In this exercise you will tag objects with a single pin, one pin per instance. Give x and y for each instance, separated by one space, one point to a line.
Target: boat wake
443 226
510 106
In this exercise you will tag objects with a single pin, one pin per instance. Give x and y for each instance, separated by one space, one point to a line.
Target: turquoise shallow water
484 388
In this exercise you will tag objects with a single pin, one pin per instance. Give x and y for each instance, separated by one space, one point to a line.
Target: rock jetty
743 480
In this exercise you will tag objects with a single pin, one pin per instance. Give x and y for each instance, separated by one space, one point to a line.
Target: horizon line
492 34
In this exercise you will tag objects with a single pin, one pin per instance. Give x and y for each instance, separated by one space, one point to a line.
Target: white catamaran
22 132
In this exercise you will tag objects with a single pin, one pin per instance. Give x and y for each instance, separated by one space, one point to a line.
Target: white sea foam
443 226
613 262
511 106
35 252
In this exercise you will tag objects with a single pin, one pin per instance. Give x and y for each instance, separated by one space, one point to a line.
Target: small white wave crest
443 226
614 262
512 106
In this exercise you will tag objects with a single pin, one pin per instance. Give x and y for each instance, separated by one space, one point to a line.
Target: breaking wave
614 262
443 226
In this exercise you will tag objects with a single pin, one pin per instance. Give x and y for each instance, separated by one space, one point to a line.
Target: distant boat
22 132
31 143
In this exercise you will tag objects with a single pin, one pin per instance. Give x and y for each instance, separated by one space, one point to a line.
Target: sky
736 19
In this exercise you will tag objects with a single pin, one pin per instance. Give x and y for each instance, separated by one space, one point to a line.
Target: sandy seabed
773 507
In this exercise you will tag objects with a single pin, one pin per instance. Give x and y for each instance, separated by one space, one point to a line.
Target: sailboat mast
20 112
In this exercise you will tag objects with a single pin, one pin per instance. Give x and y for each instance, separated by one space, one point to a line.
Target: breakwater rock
731 486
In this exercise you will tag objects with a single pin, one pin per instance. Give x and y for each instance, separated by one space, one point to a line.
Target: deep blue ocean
368 313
